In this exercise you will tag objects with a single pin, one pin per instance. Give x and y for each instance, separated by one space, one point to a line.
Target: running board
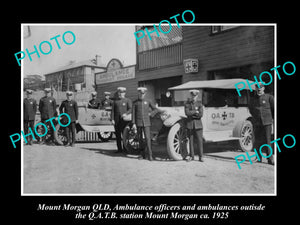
217 136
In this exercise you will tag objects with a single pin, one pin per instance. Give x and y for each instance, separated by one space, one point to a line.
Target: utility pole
97 59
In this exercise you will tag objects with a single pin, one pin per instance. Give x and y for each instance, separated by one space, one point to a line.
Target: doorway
158 89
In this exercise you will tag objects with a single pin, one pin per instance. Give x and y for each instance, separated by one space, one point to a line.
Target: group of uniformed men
47 108
261 108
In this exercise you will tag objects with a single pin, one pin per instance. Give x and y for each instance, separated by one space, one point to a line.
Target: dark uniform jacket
262 109
107 103
94 104
29 108
140 112
47 107
193 118
119 107
71 108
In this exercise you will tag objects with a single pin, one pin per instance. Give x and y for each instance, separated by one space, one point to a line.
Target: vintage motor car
226 117
90 120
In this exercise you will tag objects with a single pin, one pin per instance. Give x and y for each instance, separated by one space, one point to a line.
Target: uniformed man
261 107
194 111
47 108
29 108
107 102
94 103
70 107
141 120
121 107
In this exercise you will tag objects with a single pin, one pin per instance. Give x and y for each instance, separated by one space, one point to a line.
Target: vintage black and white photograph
148 109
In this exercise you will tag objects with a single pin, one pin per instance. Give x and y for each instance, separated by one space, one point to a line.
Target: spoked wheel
244 129
44 132
104 136
131 141
60 137
178 143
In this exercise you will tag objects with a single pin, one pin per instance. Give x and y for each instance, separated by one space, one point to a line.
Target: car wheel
41 130
178 142
244 129
130 141
60 135
104 136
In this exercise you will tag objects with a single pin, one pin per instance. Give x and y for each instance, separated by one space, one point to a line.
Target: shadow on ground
221 150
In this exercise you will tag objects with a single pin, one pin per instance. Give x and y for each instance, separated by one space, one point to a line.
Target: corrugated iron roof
74 65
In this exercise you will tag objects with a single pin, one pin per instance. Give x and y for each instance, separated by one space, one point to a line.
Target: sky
107 40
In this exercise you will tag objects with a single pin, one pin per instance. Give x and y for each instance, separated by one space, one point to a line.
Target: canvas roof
221 84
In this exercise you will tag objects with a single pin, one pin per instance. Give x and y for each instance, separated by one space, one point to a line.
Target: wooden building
217 52
114 76
192 52
78 77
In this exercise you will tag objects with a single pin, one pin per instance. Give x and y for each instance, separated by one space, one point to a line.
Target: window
218 29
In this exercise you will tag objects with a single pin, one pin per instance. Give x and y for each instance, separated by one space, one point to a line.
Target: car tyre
130 141
178 142
60 135
244 129
105 136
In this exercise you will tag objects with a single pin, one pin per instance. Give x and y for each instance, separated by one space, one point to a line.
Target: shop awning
222 84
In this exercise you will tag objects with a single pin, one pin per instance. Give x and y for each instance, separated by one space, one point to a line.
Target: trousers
262 134
198 133
71 131
119 128
147 152
50 132
27 124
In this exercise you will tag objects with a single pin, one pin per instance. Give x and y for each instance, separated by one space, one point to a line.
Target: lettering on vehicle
223 115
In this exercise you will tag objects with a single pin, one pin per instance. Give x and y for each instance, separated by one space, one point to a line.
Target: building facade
190 53
116 75
77 77
217 52
74 77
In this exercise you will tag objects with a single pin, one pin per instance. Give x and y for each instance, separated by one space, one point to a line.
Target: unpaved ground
95 168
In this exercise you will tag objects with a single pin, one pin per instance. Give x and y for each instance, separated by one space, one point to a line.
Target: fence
84 136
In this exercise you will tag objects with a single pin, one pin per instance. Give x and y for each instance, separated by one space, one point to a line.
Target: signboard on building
115 75
190 65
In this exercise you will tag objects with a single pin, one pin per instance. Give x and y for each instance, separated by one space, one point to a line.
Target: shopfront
116 75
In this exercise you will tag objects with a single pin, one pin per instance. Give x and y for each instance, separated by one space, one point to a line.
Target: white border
132 194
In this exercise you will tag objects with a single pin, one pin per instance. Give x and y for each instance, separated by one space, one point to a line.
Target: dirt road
95 168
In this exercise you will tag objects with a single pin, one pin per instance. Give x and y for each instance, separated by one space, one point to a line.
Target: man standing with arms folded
194 110
261 107
47 108
121 108
29 114
70 107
